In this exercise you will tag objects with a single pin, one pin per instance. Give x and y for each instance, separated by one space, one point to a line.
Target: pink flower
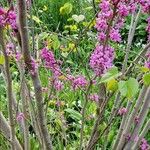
101 25
10 49
122 111
104 6
58 85
94 97
79 82
144 145
8 18
123 10
136 138
115 35
2 11
50 61
20 117
18 56
101 36
101 59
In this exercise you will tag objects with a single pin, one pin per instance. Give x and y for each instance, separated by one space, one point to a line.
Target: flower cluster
58 85
144 145
148 28
79 82
94 97
109 22
8 18
145 5
147 63
101 59
11 52
50 61
53 65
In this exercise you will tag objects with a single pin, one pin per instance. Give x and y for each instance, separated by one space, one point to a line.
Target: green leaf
129 88
78 18
2 60
146 79
111 136
56 42
111 74
36 19
66 9
43 35
123 88
74 114
112 85
144 69
133 86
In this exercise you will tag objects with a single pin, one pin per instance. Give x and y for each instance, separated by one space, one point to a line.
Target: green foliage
111 74
74 114
129 88
146 79
66 9
2 60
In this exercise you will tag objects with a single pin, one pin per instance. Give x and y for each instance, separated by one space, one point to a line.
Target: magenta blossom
50 61
20 117
8 18
94 97
144 145
58 85
101 59
79 82
122 111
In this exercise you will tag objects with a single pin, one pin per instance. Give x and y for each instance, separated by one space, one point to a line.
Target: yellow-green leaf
66 9
36 19
146 79
144 69
129 88
2 60
112 85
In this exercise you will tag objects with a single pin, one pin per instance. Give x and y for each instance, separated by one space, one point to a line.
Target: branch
135 61
142 115
9 89
6 131
143 133
35 77
130 39
118 144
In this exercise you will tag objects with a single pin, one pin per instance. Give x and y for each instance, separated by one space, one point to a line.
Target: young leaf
111 74
129 88
78 18
66 9
123 88
146 79
56 42
132 86
36 19
112 85
2 60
